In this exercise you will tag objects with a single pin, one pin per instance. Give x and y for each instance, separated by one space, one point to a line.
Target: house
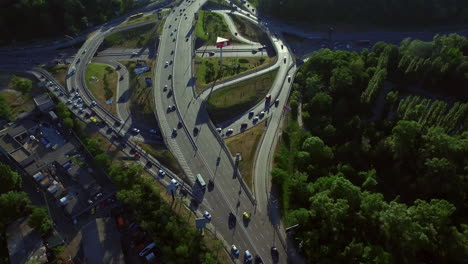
24 243
44 103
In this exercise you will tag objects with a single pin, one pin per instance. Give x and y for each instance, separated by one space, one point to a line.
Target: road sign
222 42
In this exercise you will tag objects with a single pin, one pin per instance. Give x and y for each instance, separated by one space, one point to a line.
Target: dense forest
379 171
379 12
29 19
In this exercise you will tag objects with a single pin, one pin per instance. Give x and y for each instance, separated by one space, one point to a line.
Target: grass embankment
216 4
246 143
134 38
254 3
138 20
105 85
248 30
15 101
206 69
141 95
234 100
163 155
59 72
210 26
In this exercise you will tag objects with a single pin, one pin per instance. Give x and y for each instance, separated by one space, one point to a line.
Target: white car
234 250
207 215
165 88
161 173
69 101
134 53
167 64
262 114
219 129
147 249
136 130
248 256
93 103
175 182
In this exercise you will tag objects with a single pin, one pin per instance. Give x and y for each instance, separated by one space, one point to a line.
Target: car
57 89
69 101
175 182
134 53
211 53
268 98
136 130
173 107
258 260
137 155
289 78
229 131
97 196
149 164
255 120
169 26
84 51
169 77
93 103
175 29
251 113
246 215
179 124
161 173
170 62
173 40
147 249
207 215
276 102
78 61
121 78
274 254
81 110
244 125
75 105
235 251
248 256
219 129
284 59
262 114
166 64
172 52
282 46
195 131
174 132
152 131
77 94
172 32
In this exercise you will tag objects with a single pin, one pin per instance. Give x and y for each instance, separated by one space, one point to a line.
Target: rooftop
44 102
101 242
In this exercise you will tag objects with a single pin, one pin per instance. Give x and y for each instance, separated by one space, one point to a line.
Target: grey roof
101 242
24 243
44 102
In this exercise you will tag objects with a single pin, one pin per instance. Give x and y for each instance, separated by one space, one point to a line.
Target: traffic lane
243 53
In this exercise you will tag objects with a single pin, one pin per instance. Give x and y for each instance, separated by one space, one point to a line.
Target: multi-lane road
198 146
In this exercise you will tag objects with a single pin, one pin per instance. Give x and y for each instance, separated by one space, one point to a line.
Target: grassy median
246 143
249 30
134 38
59 72
231 101
163 155
141 95
207 69
101 79
210 26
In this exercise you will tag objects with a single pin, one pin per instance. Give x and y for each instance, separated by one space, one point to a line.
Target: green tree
39 220
10 179
5 109
13 204
22 84
102 160
68 122
94 146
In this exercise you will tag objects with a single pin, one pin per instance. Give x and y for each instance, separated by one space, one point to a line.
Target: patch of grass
104 88
234 100
133 38
248 29
114 152
254 3
163 155
210 26
138 20
246 143
216 4
19 102
59 72
206 69
141 96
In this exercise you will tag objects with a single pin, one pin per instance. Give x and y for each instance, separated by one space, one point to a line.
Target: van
201 181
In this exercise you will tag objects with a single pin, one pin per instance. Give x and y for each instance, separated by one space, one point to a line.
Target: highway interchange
198 147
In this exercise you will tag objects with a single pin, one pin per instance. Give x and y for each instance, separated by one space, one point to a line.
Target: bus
200 180
135 16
